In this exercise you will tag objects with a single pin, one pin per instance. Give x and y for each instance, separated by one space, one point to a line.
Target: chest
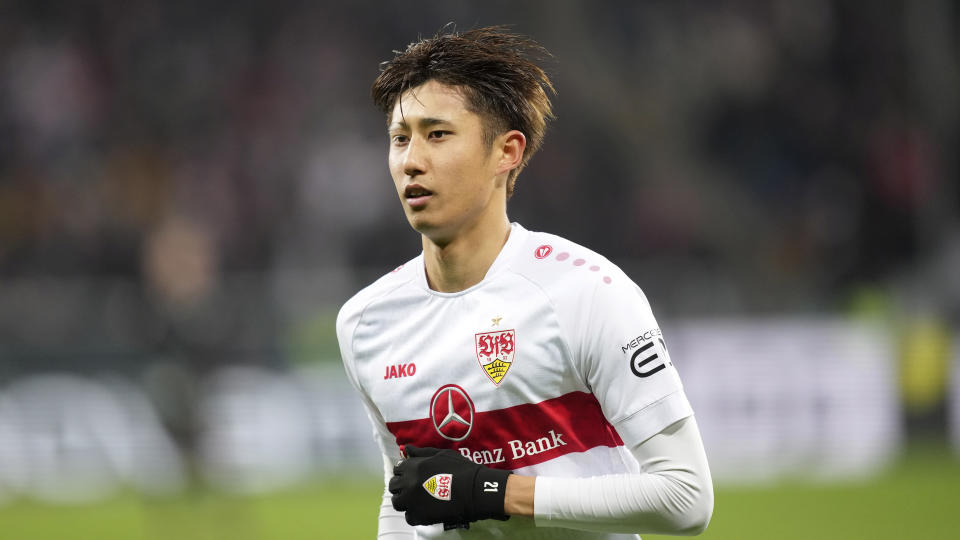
484 351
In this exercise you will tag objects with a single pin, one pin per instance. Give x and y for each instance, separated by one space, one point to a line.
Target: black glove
442 486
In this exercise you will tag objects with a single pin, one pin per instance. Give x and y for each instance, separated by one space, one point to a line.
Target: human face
449 181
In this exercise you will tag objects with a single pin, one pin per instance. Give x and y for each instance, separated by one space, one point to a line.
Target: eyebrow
422 123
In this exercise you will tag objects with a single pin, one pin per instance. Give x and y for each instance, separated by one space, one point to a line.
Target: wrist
519 497
490 487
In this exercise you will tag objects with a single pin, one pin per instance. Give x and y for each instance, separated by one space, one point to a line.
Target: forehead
431 99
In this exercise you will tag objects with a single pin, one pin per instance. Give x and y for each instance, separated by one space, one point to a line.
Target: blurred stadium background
189 191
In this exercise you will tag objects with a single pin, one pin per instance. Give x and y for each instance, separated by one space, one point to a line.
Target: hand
441 486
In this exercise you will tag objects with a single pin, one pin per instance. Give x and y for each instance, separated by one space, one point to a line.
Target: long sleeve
673 493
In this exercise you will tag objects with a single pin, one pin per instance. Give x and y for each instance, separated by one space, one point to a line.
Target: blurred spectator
750 156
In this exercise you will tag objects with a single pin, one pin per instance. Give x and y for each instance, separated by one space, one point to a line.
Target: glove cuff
490 490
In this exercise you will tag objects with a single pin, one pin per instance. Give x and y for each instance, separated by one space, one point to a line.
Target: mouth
417 195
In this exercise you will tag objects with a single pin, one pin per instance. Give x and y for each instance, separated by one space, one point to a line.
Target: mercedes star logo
452 412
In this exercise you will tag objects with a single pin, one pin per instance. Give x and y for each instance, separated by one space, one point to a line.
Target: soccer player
518 383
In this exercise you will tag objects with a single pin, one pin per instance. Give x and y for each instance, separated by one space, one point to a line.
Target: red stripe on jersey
521 435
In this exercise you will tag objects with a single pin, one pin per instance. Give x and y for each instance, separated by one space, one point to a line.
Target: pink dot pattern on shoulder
563 255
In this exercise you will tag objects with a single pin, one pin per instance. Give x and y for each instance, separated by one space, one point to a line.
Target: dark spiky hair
495 70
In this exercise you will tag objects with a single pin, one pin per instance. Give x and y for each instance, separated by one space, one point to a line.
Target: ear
511 144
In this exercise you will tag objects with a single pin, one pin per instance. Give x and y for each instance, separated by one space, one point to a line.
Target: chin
421 223
429 228
418 221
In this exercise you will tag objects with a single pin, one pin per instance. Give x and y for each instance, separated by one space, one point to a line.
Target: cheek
396 169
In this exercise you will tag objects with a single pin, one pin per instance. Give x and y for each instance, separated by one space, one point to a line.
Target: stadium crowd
205 182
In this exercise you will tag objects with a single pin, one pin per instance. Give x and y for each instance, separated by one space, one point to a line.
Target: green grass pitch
917 499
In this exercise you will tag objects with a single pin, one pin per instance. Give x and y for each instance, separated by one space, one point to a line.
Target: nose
414 161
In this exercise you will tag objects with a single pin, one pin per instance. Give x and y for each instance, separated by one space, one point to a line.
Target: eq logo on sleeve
646 360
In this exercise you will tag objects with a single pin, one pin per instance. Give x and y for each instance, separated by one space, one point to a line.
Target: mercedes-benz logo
452 412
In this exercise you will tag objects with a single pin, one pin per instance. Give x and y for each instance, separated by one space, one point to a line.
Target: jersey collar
514 241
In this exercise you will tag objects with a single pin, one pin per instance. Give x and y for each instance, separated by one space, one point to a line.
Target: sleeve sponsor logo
439 486
643 357
647 359
640 340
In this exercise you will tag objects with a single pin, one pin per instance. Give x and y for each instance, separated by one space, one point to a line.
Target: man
524 376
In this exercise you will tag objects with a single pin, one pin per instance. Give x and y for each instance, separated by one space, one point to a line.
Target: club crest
438 486
495 352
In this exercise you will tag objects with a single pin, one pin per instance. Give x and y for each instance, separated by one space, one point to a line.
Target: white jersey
536 369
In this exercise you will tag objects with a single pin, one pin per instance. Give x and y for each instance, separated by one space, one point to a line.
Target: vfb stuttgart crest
495 352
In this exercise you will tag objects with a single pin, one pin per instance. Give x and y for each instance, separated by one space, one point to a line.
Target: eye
398 139
438 134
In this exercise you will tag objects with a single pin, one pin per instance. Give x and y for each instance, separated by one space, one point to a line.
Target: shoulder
563 268
352 310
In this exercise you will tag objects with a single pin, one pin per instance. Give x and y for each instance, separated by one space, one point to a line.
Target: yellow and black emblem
496 352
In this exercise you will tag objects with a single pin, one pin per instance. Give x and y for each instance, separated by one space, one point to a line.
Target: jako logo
543 251
400 370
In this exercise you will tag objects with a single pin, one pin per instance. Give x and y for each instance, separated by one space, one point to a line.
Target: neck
461 263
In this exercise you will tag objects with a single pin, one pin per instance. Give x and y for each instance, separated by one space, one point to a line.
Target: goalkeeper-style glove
441 486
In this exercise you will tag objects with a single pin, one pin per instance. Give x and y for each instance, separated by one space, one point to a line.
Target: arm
391 524
619 351
672 495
